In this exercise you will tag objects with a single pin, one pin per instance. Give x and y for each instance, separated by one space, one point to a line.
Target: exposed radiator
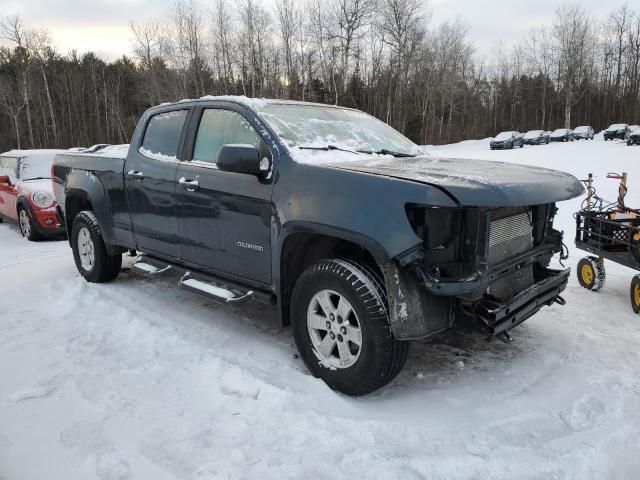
509 236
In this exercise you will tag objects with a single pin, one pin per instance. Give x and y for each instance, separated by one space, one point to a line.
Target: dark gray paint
360 202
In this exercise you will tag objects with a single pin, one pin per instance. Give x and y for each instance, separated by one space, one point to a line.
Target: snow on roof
114 151
253 103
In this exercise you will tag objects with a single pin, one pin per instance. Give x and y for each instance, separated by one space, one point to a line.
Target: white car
584 132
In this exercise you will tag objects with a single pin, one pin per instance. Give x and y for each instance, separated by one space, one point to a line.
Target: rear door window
222 127
162 137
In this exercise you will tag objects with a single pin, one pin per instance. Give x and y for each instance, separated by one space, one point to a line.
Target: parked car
328 213
26 194
535 137
507 140
617 130
584 132
562 135
634 137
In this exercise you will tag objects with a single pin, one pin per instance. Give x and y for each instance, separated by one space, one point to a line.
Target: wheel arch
85 191
306 244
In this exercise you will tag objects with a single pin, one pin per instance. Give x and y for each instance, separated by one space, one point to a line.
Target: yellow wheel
635 294
591 274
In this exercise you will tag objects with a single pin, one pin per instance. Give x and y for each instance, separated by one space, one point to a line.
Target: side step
217 292
147 268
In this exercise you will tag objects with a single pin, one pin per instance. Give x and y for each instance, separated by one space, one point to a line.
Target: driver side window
222 127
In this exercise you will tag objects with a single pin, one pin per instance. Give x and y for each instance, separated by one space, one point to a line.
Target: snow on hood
476 182
40 185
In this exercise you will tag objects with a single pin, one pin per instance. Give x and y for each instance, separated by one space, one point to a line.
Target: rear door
9 167
224 221
150 180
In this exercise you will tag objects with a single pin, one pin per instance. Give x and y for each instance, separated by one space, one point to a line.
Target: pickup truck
362 240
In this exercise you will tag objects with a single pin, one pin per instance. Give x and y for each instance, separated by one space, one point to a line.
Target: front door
150 179
224 218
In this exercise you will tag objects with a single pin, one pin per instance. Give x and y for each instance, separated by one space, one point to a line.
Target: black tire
105 267
521 145
380 356
634 293
591 273
26 224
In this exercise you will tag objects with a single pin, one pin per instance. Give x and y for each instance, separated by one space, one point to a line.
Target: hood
40 185
476 182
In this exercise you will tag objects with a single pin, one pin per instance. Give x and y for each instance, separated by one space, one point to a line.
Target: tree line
385 57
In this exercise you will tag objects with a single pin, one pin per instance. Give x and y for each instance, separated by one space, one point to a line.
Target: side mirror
240 158
5 179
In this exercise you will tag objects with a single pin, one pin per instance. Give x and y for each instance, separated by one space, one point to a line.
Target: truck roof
252 103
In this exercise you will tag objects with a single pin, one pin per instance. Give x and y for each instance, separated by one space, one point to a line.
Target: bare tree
573 34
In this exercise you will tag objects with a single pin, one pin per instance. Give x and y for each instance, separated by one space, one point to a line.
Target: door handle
190 185
135 173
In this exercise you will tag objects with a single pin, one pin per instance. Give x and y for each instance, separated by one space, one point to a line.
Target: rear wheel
26 225
591 273
341 327
89 251
635 293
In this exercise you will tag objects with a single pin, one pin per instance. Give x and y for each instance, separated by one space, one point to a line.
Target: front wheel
27 229
89 251
341 327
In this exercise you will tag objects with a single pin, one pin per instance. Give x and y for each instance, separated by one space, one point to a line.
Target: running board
217 292
148 268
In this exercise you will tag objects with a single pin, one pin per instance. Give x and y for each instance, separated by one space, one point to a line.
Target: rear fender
88 187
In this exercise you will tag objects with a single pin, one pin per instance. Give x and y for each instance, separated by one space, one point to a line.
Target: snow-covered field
140 380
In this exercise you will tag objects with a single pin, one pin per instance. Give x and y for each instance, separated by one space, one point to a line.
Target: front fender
414 313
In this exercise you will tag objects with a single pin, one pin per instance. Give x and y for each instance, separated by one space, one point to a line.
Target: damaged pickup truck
361 240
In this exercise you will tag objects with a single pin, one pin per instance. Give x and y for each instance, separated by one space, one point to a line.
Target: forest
385 57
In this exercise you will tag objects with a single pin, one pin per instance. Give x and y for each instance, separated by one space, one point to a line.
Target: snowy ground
138 379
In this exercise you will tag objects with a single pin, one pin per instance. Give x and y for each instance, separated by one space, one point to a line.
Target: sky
102 26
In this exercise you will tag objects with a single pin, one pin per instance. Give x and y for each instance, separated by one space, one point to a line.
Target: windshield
36 167
533 134
319 126
581 129
504 136
617 126
559 131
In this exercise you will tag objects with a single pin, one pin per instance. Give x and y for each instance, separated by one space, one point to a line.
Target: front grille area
509 236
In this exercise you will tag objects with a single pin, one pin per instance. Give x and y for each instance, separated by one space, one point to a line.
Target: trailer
608 231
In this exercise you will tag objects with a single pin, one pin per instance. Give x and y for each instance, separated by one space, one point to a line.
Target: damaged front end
489 265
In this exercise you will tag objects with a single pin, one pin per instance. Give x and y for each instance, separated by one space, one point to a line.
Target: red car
26 193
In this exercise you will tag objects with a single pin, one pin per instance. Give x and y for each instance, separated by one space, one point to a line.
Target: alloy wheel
25 223
334 329
86 249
